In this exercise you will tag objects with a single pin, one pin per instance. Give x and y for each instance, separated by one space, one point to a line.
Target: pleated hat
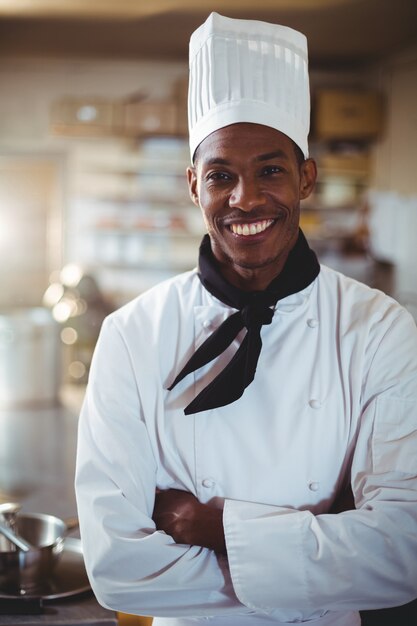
248 71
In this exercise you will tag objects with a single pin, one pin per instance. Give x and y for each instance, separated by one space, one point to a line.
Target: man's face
248 183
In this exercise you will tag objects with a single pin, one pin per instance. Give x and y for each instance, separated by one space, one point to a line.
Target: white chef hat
248 71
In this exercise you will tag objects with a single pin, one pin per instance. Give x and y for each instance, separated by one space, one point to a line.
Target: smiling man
230 409
248 181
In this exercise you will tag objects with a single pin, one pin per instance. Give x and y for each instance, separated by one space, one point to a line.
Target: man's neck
251 279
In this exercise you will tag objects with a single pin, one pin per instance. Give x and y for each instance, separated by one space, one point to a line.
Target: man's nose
247 195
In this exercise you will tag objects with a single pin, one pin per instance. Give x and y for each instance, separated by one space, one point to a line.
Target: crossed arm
188 521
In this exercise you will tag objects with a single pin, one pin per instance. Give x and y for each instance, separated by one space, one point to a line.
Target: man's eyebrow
216 161
272 155
262 157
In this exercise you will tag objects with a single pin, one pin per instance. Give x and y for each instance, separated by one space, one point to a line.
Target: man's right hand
188 521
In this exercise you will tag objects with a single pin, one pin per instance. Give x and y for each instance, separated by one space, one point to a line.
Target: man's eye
221 176
271 169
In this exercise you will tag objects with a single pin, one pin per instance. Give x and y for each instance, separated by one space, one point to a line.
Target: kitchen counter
37 464
83 611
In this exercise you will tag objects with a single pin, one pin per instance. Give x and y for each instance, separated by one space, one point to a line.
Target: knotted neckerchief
254 310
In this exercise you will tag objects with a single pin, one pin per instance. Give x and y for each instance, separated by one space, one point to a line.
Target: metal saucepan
24 572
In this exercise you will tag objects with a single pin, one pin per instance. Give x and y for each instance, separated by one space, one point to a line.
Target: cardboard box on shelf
180 88
347 114
355 165
180 96
182 118
150 118
86 116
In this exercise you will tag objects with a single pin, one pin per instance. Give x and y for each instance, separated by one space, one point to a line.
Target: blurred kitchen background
94 206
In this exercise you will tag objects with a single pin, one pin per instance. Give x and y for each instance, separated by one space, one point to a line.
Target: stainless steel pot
23 572
29 358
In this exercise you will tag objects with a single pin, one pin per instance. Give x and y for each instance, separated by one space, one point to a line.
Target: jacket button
208 482
313 486
312 322
315 404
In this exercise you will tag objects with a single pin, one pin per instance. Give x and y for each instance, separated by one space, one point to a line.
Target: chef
230 407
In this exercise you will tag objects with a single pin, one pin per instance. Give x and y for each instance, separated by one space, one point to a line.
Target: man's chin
255 265
249 262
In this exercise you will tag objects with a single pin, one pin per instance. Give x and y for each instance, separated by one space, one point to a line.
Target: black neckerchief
254 310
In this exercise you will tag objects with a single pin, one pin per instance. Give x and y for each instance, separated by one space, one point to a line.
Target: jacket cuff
265 551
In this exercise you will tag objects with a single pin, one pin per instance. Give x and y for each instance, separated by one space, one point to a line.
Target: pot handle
72 523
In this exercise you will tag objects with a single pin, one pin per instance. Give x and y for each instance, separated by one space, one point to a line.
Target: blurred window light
71 274
69 335
53 294
63 310
77 369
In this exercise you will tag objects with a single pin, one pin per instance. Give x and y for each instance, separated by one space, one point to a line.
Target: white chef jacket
334 401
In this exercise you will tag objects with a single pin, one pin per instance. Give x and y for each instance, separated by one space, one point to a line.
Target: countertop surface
37 464
80 611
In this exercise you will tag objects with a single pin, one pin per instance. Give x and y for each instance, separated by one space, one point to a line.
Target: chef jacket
334 401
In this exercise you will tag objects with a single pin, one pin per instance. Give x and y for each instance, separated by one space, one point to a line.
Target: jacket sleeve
131 566
360 559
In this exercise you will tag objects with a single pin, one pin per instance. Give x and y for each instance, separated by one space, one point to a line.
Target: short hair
297 151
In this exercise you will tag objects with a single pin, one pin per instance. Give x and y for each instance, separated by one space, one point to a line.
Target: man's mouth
254 228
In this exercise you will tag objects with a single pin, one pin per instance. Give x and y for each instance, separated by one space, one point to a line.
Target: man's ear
192 185
308 176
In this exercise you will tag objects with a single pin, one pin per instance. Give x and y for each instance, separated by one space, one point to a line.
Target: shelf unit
131 221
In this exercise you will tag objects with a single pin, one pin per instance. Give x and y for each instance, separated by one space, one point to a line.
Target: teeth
250 229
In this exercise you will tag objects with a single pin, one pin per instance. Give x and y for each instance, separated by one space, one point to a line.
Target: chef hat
248 71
